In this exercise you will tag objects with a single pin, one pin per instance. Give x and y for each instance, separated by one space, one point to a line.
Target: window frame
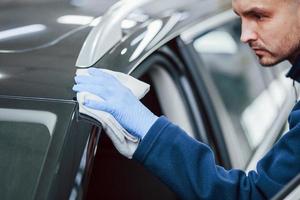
66 146
291 191
167 60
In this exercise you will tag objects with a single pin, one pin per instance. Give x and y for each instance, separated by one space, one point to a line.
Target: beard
269 61
265 56
289 49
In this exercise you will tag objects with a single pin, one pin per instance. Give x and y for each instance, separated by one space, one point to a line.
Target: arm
189 169
185 165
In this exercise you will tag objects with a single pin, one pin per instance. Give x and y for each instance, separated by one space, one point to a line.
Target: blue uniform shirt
188 166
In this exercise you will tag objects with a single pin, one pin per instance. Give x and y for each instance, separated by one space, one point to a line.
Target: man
272 30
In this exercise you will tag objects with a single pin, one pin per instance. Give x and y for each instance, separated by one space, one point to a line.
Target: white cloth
125 143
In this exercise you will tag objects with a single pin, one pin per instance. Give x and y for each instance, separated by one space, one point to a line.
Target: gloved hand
119 101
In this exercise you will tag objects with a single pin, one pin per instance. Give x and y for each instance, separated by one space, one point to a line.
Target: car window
23 150
240 84
25 136
33 135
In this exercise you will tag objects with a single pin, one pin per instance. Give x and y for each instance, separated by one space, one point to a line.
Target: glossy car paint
48 72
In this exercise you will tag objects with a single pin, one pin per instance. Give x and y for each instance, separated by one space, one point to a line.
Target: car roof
39 67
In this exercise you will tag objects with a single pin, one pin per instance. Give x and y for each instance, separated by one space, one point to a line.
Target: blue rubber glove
119 101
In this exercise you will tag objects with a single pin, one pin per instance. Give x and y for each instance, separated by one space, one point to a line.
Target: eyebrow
254 10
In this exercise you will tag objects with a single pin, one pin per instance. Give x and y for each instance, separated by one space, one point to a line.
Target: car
202 78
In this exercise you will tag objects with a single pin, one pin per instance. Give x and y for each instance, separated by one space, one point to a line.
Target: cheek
277 36
270 41
290 39
291 42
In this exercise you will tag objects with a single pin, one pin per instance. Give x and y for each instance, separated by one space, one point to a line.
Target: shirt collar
294 72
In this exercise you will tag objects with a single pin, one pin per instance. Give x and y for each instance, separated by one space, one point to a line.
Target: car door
170 95
185 87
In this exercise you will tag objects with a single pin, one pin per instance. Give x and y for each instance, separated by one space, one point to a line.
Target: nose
248 34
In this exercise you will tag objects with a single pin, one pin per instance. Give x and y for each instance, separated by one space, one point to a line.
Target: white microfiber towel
125 143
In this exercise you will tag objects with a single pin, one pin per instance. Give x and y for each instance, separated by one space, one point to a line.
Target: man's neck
294 58
294 72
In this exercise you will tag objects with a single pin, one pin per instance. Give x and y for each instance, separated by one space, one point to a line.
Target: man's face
271 28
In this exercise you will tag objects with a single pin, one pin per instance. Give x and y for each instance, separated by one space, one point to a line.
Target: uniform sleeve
188 167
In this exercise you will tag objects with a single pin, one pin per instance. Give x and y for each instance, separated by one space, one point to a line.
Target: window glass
239 82
24 139
23 148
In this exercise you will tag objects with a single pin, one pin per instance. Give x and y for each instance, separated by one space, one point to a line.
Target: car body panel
41 64
48 72
57 17
190 11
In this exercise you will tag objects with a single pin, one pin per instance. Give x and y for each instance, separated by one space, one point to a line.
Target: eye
258 17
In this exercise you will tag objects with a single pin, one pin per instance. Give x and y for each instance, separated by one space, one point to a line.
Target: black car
202 78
